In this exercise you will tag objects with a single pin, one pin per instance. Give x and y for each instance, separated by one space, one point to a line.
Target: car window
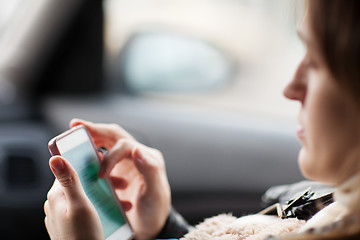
7 11
163 61
227 54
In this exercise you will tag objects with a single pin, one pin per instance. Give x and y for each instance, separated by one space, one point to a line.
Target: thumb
67 177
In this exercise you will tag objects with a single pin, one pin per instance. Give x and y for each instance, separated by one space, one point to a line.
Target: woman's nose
296 88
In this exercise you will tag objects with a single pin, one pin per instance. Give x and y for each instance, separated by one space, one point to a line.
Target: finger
46 221
121 150
119 183
56 203
101 155
67 177
126 205
149 168
46 208
55 194
104 135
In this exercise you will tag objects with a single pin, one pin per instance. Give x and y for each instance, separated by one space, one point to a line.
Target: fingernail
140 157
58 165
140 160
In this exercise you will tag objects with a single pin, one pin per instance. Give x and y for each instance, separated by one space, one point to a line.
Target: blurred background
201 80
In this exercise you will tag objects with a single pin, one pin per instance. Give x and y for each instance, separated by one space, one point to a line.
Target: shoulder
355 236
347 228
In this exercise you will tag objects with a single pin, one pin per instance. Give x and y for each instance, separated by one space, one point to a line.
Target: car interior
199 80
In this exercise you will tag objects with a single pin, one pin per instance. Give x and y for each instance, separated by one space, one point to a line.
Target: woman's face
329 119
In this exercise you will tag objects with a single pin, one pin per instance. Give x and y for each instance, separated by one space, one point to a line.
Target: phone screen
79 151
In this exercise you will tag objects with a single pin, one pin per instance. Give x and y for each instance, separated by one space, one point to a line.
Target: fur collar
340 220
253 227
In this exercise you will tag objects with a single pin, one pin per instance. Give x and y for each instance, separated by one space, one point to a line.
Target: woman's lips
300 133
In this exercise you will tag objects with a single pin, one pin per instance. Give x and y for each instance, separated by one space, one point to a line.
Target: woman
326 84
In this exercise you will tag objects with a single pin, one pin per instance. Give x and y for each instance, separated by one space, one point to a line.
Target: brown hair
336 27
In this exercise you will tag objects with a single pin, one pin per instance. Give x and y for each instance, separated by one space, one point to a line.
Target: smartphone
77 147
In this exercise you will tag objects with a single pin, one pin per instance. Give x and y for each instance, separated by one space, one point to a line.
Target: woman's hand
69 213
138 174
